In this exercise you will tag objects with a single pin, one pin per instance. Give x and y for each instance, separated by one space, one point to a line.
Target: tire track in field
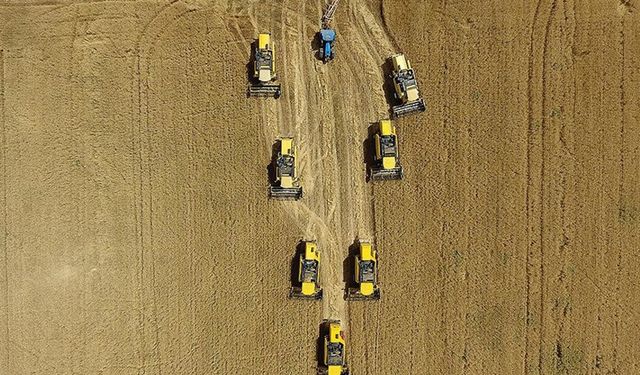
366 44
315 128
3 153
143 192
535 184
301 113
327 108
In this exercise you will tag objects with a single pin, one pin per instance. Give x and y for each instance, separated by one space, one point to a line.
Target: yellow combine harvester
406 87
264 69
334 356
366 274
308 274
386 158
286 184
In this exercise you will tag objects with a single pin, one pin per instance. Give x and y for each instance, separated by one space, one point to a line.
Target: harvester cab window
285 163
367 271
388 143
335 353
406 78
309 270
263 58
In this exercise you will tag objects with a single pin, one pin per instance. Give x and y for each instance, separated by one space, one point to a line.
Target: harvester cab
366 274
334 352
264 69
286 184
386 158
308 274
406 87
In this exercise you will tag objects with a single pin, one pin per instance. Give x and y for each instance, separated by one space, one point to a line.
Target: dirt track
137 237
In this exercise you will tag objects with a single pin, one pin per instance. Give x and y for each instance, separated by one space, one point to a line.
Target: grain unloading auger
286 184
308 274
264 69
386 156
406 87
328 13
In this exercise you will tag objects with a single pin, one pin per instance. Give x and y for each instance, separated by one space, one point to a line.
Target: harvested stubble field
136 233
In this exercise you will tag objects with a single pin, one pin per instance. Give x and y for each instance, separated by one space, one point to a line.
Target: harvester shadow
295 264
387 86
323 330
250 66
349 265
368 149
271 169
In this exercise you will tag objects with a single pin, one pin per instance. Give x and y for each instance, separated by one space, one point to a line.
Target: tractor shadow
349 267
387 86
316 45
369 149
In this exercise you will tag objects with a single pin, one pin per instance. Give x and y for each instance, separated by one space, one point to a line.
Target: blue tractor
327 37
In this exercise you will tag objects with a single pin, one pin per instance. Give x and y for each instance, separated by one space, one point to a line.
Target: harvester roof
366 251
400 62
335 332
311 250
286 146
264 41
386 127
